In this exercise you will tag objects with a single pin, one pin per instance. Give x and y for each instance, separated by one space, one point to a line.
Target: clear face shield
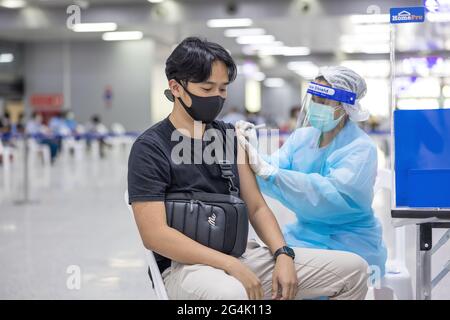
322 107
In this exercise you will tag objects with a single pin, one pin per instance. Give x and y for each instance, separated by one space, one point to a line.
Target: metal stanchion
26 179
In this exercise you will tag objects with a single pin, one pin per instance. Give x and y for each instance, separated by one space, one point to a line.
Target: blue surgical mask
321 117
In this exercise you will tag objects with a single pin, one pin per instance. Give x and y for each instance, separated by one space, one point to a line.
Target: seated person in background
70 122
56 123
6 129
98 130
36 128
20 125
199 73
2 126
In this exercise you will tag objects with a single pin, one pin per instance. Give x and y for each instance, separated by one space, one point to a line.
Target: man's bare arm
261 217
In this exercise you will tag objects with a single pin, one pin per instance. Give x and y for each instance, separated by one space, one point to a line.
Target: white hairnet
346 79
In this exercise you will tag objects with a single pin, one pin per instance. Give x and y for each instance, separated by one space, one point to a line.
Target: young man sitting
199 73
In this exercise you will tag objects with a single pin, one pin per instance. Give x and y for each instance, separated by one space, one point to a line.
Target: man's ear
175 88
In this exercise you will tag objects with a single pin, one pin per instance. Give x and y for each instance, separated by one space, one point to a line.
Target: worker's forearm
176 246
267 228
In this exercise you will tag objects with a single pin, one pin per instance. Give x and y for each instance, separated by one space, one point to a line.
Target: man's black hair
192 60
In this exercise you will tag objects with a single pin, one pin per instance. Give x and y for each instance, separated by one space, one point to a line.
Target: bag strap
227 173
226 169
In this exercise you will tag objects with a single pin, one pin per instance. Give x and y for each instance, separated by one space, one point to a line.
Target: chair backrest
118 129
384 181
158 283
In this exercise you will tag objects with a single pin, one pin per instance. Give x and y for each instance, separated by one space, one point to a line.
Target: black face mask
204 109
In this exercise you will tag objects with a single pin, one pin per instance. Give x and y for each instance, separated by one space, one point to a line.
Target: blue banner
331 93
408 15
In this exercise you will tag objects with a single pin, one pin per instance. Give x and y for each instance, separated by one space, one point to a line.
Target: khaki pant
334 274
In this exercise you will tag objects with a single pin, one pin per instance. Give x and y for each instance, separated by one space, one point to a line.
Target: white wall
135 71
82 70
161 106
277 102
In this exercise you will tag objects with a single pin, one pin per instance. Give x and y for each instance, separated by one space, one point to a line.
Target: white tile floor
80 219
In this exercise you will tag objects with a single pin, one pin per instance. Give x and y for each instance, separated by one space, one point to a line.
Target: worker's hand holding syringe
248 130
248 139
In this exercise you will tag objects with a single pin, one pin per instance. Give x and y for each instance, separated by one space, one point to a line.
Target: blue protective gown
330 190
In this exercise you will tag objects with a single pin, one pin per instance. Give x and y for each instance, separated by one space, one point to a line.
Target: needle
259 126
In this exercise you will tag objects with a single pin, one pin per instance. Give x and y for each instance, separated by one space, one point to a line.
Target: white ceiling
319 29
59 3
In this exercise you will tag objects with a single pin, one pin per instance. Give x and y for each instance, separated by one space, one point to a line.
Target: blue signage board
408 15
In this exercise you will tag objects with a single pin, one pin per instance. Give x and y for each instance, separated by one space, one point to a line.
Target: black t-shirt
152 172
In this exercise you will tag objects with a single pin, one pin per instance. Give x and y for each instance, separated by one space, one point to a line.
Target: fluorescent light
284 51
229 23
369 18
302 66
364 38
122 35
432 5
371 28
371 38
305 69
252 95
248 69
6 57
155 1
260 46
259 76
274 82
94 27
296 51
231 33
13 4
255 39
438 16
297 65
271 51
254 48
8 227
265 45
369 68
366 48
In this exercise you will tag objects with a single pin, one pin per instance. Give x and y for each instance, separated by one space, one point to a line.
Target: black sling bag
218 221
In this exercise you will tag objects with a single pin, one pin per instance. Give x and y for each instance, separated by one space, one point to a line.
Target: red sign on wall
47 101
